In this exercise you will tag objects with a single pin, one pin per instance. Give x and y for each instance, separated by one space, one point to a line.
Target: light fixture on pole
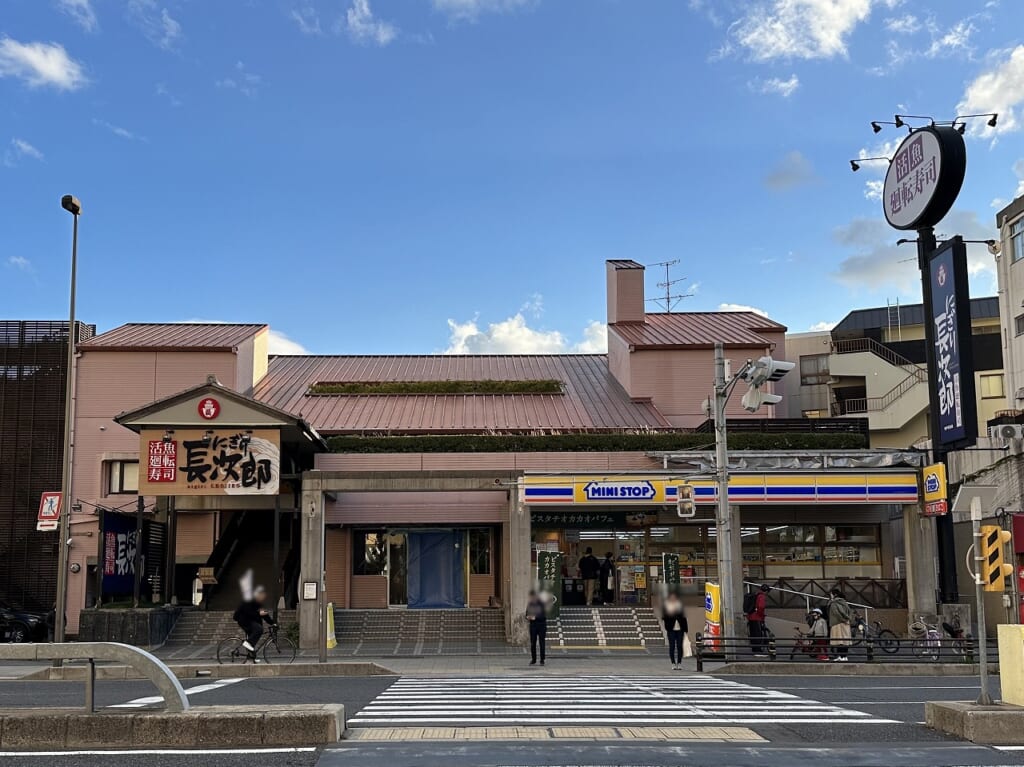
900 119
855 164
757 374
74 207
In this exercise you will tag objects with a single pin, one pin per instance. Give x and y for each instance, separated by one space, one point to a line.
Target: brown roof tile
194 336
593 399
698 330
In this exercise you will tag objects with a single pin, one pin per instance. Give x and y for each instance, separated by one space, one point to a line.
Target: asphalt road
903 743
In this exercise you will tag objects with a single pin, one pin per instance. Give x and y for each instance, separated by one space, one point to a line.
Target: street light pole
723 522
74 207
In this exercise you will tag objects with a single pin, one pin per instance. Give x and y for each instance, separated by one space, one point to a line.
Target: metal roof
625 263
697 330
910 314
592 400
193 336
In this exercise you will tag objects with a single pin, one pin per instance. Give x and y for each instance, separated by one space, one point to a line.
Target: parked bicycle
881 637
928 641
274 648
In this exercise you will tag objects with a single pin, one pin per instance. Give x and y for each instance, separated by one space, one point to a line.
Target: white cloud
243 81
18 149
156 23
873 189
117 130
799 29
82 13
469 10
956 38
741 308
793 171
279 343
307 18
20 263
908 24
819 327
161 90
515 336
999 89
39 64
877 263
776 85
363 27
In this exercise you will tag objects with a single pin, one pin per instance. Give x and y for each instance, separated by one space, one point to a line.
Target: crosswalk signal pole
723 525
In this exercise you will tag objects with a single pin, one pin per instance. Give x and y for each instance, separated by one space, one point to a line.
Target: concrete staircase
201 627
416 626
606 627
257 555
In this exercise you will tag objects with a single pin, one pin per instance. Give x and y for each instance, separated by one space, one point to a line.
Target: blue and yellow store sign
757 488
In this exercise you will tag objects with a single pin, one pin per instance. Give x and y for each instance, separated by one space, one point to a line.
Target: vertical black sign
948 320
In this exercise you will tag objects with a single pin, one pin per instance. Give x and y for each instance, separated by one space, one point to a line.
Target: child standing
819 634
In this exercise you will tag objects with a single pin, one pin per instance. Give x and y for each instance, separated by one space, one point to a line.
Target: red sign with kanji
209 408
162 465
49 511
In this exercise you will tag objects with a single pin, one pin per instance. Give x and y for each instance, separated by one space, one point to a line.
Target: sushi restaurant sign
210 462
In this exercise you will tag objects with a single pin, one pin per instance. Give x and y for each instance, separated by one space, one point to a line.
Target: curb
781 668
200 726
214 670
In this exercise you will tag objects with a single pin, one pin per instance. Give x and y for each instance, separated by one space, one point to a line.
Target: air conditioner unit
1006 431
1019 394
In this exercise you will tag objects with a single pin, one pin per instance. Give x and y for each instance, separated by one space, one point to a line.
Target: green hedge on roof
588 443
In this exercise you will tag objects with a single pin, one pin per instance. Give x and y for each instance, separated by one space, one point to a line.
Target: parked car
20 625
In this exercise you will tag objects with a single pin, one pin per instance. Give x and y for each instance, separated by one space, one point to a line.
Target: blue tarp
436 578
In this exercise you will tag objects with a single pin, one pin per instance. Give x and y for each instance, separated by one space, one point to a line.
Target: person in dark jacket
675 628
590 570
755 622
608 578
250 616
537 618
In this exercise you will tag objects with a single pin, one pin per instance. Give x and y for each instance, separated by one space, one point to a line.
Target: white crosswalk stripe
593 700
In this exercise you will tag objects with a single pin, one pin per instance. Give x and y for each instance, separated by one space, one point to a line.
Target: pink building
446 476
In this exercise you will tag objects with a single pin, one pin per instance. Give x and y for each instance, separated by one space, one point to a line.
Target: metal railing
807 596
854 345
877 593
858 405
146 665
805 649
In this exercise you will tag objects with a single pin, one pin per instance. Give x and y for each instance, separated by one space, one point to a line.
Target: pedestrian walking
754 605
675 628
537 618
590 570
819 633
839 625
608 579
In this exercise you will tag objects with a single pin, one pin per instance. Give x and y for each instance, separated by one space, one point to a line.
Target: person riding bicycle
250 616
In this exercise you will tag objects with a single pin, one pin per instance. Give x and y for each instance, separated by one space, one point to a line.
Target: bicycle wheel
230 651
925 649
279 649
888 641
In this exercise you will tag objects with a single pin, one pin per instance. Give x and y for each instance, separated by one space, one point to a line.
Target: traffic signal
685 506
994 569
757 374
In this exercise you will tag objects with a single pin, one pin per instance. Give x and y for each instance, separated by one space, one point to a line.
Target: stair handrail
808 597
874 404
223 552
894 358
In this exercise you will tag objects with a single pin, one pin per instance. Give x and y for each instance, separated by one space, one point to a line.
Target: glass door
398 570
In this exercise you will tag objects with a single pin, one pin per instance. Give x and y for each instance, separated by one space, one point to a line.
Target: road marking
165 752
150 700
599 700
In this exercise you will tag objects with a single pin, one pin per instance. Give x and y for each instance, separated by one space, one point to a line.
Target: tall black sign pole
923 182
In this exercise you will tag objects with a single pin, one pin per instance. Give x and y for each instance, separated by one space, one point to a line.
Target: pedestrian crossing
592 700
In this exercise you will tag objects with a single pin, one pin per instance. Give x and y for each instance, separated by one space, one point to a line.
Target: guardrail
147 665
802 648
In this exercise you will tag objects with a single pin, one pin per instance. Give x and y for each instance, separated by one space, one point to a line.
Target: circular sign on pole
209 408
924 178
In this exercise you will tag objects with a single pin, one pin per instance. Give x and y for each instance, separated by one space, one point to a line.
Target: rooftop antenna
669 301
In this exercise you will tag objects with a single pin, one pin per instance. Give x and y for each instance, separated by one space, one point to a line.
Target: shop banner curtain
436 577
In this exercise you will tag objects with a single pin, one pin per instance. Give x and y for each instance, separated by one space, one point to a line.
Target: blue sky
414 176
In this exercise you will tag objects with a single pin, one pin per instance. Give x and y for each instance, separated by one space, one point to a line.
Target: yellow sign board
712 615
936 491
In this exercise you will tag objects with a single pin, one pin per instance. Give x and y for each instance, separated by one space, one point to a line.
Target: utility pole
723 523
984 698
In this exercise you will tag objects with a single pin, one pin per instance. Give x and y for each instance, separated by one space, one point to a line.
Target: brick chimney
625 291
